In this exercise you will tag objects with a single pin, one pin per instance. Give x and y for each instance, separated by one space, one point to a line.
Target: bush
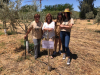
11 32
89 15
75 15
97 19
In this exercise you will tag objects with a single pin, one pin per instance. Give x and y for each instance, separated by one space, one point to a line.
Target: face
48 17
65 14
59 16
37 18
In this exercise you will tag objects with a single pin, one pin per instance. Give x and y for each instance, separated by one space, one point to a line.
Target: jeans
36 47
65 38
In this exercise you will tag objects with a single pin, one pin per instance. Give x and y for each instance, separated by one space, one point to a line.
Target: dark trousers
65 38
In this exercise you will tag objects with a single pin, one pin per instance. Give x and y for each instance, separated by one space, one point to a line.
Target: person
58 22
65 33
49 26
36 27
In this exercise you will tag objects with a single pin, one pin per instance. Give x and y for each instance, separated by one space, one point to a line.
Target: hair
61 15
68 15
36 15
47 16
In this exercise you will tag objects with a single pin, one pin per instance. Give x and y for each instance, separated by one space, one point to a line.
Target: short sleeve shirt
37 29
66 23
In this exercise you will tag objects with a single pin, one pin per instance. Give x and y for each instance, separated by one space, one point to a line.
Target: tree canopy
58 7
85 6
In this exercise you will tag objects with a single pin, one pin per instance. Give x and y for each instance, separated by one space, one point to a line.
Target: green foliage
89 15
57 7
97 19
11 32
1 33
28 8
88 20
75 15
85 6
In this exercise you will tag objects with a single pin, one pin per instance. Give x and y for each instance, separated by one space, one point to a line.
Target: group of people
57 30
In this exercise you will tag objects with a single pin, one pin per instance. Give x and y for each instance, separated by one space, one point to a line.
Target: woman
49 26
65 33
36 27
58 22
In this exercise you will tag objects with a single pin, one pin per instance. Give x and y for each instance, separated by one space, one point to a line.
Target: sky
53 2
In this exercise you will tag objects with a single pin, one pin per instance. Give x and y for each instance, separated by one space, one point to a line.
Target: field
84 46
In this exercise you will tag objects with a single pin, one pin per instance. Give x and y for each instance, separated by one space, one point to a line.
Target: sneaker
68 61
54 53
64 56
59 52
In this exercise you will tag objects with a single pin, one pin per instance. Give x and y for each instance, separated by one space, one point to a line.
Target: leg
39 41
59 45
56 41
36 49
67 40
62 36
62 40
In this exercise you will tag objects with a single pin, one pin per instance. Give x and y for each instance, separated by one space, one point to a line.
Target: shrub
97 19
89 15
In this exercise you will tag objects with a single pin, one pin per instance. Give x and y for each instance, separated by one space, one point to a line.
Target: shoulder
55 20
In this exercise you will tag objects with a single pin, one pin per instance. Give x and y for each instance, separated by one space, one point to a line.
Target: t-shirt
51 33
57 28
66 23
37 29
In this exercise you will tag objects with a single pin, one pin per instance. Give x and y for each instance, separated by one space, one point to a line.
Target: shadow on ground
97 31
19 49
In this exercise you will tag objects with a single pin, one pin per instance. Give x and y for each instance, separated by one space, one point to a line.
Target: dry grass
84 46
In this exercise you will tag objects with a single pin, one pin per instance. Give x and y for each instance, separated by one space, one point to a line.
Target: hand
61 26
25 36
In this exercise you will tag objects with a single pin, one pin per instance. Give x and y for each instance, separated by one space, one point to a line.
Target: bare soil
84 46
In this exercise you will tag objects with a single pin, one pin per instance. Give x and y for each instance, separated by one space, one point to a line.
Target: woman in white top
49 26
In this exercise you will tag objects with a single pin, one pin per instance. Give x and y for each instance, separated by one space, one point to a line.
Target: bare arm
28 32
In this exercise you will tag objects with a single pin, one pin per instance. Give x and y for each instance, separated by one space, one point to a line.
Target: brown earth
84 46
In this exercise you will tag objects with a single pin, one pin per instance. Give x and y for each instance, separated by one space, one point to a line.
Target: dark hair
61 15
36 15
68 15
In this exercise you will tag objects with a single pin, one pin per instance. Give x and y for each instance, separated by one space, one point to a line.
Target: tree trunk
4 27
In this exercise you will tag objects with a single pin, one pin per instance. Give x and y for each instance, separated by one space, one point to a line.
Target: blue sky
53 2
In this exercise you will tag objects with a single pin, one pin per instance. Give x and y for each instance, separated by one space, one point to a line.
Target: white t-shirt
51 33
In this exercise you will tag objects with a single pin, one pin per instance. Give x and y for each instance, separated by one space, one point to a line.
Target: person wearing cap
58 22
65 33
36 27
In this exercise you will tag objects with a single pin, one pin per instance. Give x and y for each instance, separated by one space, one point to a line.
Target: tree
97 19
85 6
57 7
89 15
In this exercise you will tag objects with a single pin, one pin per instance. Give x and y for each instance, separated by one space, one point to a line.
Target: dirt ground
84 46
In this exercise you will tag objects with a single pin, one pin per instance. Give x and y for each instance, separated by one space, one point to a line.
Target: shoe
68 61
59 52
54 53
64 56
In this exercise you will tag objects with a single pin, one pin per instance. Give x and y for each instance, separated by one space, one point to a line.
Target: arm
69 26
28 32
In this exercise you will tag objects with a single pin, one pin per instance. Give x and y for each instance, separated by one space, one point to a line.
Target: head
37 17
60 16
67 14
48 18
